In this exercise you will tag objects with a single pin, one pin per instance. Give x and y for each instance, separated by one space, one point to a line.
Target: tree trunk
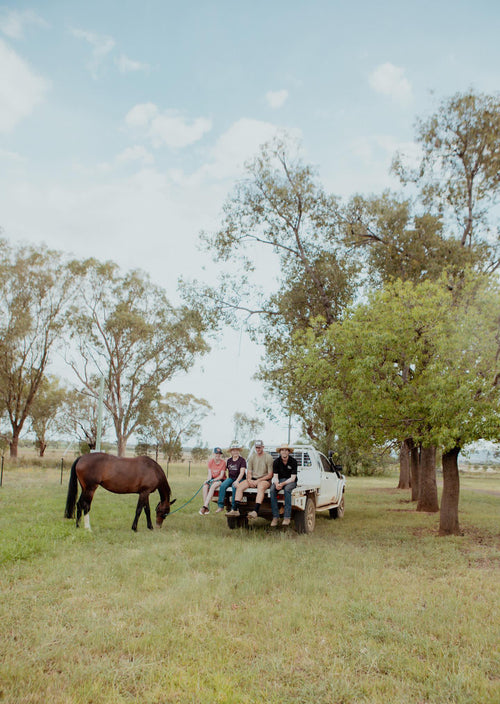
448 518
122 445
42 446
14 443
427 487
414 469
404 465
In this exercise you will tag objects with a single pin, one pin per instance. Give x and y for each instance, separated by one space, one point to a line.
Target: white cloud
167 128
135 154
101 44
276 98
13 23
21 89
390 80
12 157
238 144
378 147
141 115
126 65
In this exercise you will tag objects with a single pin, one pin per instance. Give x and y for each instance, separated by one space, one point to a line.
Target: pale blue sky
123 125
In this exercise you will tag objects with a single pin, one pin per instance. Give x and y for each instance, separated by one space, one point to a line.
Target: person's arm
269 475
250 469
252 483
209 474
242 470
288 481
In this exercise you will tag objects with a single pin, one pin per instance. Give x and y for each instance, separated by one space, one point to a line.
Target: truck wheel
305 520
237 522
338 511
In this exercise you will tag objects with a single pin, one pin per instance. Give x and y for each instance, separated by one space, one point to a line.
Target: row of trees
384 330
105 324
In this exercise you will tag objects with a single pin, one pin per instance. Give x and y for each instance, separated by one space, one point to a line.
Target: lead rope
187 502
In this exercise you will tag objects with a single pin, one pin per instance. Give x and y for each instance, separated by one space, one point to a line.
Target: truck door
329 487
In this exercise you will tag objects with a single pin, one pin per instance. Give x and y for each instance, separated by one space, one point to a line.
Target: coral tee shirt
215 469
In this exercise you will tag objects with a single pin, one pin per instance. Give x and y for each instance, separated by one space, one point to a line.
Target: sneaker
286 522
252 515
218 509
274 523
203 511
232 512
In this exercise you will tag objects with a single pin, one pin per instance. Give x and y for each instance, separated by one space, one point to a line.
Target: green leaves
127 331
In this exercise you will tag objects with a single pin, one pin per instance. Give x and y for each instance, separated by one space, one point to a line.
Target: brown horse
136 475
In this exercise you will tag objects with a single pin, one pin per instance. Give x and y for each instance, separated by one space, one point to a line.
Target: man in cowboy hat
259 475
284 477
236 466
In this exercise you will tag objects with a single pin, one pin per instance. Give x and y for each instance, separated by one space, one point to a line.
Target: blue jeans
222 492
287 490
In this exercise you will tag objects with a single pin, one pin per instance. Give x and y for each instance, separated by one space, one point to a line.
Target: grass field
372 608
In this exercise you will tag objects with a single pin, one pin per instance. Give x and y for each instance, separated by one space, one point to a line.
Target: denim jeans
287 490
222 492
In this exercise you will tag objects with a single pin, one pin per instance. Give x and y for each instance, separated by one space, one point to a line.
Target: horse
121 475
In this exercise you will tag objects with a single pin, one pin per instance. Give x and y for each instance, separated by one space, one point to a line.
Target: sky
125 125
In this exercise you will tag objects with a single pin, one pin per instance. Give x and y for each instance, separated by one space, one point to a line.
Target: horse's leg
83 505
140 505
148 513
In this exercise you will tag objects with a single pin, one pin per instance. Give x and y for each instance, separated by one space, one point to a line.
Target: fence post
189 469
168 462
62 467
1 473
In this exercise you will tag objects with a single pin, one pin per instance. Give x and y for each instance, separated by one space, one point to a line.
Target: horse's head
162 511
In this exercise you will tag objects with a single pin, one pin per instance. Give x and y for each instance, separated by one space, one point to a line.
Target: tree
278 212
36 286
126 330
200 454
172 419
400 243
80 415
46 409
459 171
246 429
415 361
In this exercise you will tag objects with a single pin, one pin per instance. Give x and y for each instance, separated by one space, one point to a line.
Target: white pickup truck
320 487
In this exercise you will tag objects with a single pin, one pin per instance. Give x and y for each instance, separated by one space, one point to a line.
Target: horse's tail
72 492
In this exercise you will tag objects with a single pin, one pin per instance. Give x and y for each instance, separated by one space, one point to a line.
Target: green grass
369 609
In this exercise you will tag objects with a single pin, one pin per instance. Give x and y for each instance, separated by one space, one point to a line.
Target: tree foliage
36 287
246 429
398 243
80 415
125 330
279 213
45 411
172 420
459 170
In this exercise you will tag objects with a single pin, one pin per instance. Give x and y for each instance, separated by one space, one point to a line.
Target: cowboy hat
234 446
284 446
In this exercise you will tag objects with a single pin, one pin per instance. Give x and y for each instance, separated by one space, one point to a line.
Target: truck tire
338 511
237 522
306 520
